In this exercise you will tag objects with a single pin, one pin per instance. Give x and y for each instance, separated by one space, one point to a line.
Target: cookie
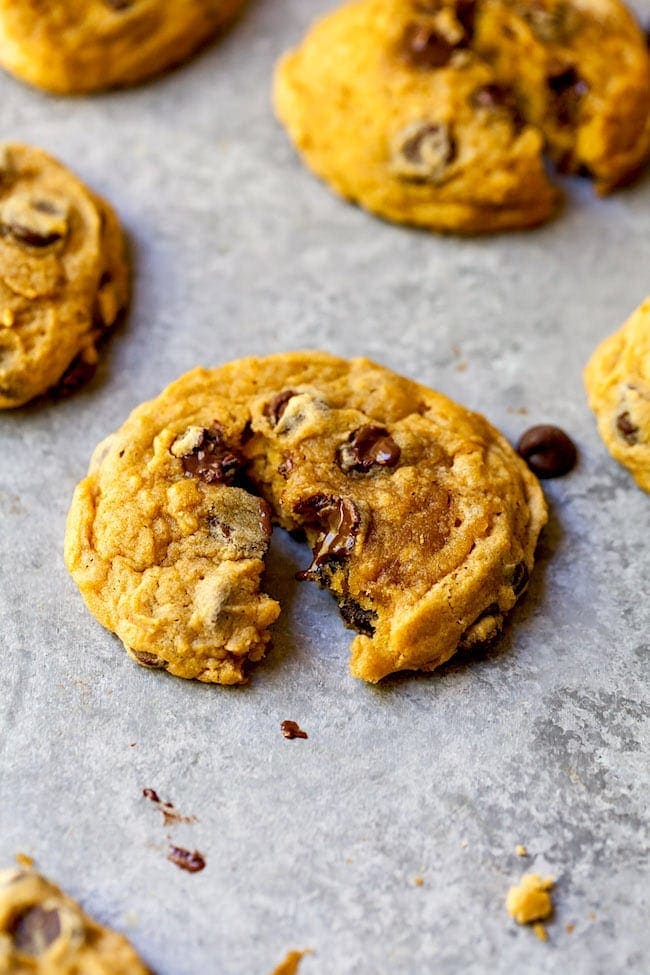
45 932
72 46
421 518
437 112
63 274
617 378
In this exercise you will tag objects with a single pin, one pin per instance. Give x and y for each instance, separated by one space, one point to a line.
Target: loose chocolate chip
627 429
425 47
367 446
499 99
357 618
35 930
423 151
520 578
27 236
150 660
567 89
277 405
338 520
548 451
193 862
290 729
212 459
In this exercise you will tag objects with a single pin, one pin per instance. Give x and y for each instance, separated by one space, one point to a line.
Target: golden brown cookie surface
436 112
617 378
63 273
44 932
422 520
71 46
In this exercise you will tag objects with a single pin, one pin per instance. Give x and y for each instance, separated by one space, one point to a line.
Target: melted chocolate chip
520 578
338 519
425 47
548 451
212 459
266 519
193 862
35 930
423 151
567 90
627 429
290 729
277 405
499 98
151 794
357 618
31 238
367 446
150 660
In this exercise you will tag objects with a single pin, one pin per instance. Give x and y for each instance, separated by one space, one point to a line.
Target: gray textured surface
542 741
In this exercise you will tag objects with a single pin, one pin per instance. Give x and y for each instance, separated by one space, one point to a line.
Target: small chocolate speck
151 794
291 729
192 862
627 429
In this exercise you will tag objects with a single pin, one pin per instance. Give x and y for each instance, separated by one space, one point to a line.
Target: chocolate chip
422 152
466 15
520 577
193 862
548 451
290 729
285 467
150 660
35 930
277 405
367 446
627 429
151 794
338 520
266 519
357 618
499 99
212 459
425 47
79 372
567 89
31 238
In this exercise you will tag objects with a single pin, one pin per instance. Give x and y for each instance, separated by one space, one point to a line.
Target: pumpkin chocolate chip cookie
63 274
421 518
42 931
438 112
617 378
71 46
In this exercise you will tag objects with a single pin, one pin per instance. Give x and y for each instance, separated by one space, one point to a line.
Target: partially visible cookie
617 378
422 519
438 112
72 46
63 273
44 932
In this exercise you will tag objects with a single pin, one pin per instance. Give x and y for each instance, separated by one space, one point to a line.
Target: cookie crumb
418 881
291 963
569 928
521 850
291 729
540 931
186 860
24 861
592 916
530 901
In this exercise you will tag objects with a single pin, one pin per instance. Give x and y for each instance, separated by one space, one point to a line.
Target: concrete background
541 741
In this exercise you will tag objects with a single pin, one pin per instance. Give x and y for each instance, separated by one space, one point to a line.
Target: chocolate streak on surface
170 814
192 862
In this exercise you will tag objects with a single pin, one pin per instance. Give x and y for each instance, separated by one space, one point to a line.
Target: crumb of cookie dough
569 928
23 860
291 964
418 881
530 900
521 850
540 931
45 932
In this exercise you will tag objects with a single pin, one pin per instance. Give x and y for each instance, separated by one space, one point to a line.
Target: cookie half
617 378
422 520
44 931
63 274
438 112
87 45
